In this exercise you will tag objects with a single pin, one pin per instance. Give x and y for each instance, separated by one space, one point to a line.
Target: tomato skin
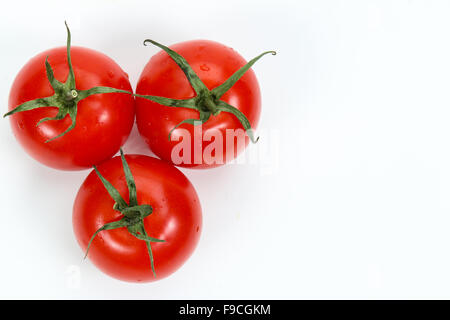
103 122
176 218
214 63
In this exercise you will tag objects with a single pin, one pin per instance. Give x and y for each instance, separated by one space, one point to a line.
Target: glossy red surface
214 63
176 218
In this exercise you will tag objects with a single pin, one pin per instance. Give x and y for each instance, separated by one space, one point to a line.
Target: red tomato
103 122
213 63
176 219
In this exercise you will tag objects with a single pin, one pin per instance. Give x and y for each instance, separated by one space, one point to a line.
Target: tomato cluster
137 218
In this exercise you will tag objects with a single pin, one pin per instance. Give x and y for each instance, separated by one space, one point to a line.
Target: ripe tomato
213 63
175 218
103 121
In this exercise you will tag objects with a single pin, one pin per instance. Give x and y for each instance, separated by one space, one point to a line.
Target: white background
350 194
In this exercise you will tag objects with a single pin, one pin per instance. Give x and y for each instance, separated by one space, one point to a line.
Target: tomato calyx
133 213
65 97
206 102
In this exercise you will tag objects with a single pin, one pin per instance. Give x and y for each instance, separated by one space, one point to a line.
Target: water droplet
204 67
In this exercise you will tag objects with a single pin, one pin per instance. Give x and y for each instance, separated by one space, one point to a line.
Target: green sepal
56 85
60 115
73 116
193 78
179 103
82 94
207 102
204 116
108 226
133 214
130 181
219 91
66 96
112 191
223 106
33 104
70 82
135 231
144 210
142 230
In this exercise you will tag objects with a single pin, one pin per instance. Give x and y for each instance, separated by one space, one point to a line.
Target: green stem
133 213
207 102
65 97
210 104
